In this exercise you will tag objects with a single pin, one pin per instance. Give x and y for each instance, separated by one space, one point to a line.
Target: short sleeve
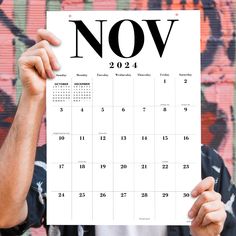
36 198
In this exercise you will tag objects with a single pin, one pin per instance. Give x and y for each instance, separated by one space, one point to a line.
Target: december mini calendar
123 117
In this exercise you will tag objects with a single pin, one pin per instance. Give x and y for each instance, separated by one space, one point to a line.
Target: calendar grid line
113 154
119 191
92 89
154 90
133 118
121 162
175 213
121 134
127 106
71 154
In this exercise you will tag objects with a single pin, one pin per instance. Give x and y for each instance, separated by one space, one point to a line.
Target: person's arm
17 153
17 161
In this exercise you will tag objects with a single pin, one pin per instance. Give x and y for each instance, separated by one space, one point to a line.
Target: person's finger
217 217
205 209
204 185
45 59
206 196
33 62
52 58
43 34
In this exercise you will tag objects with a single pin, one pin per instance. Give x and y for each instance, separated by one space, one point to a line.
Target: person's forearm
17 156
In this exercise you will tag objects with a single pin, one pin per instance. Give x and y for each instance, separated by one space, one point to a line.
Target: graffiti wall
20 19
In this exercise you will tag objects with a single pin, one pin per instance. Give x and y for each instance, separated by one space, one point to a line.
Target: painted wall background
20 19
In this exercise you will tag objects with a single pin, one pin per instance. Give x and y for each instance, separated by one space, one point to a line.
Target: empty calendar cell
144 177
102 92
165 176
123 91
61 148
165 206
63 173
164 91
144 210
164 119
165 148
186 118
184 202
144 146
82 206
102 148
184 176
144 120
123 206
184 148
123 148
82 120
60 207
81 172
144 85
59 114
123 176
123 120
102 176
82 148
103 206
102 120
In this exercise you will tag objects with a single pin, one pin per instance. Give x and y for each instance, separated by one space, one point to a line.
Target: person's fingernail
191 214
194 193
58 40
50 74
56 65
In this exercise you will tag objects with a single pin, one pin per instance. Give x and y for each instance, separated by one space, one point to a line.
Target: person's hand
208 211
37 64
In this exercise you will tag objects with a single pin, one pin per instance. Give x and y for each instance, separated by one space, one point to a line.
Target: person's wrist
38 101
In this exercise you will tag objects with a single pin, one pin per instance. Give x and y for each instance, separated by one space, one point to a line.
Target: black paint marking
15 30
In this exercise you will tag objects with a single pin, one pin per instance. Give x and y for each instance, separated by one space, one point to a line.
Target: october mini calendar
123 117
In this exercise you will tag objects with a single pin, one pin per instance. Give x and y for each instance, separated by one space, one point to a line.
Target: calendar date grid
144 136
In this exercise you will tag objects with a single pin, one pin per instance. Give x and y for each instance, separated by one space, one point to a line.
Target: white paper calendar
123 117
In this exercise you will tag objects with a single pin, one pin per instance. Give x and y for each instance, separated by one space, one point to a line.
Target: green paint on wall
88 5
123 4
53 5
20 9
19 49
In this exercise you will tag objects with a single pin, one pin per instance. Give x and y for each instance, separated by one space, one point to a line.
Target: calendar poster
123 118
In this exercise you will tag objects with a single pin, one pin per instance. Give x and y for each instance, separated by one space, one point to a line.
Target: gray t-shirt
130 230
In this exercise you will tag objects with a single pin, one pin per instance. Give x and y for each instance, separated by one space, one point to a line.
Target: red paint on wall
104 4
139 4
72 5
6 45
35 17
